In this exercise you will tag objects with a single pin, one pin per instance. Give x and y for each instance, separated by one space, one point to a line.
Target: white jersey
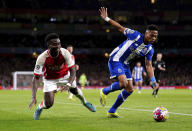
138 71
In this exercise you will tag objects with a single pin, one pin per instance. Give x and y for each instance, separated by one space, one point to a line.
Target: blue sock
120 99
139 88
115 86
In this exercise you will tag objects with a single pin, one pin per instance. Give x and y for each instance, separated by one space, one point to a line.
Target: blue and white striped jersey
138 71
132 47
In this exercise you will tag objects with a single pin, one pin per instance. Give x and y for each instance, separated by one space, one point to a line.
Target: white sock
42 105
70 95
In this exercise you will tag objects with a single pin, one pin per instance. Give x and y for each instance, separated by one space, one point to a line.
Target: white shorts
51 85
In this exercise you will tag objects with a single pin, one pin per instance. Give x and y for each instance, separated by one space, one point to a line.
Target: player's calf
73 91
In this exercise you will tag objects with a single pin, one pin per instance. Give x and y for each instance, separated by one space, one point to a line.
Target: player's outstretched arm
72 74
104 16
34 91
150 72
71 78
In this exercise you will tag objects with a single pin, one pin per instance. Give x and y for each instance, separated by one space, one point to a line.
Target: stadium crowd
95 67
24 26
91 41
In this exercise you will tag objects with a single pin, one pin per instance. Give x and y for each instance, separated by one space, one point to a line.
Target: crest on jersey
37 67
131 31
119 70
144 51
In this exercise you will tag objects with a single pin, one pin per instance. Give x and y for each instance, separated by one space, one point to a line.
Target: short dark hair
152 27
51 36
69 46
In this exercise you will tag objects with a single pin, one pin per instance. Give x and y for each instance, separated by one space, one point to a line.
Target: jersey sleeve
149 55
38 66
68 58
131 34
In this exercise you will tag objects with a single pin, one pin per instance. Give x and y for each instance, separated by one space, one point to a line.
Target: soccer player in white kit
55 63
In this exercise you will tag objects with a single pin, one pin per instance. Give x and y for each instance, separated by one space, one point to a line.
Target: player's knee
73 90
49 104
123 84
129 88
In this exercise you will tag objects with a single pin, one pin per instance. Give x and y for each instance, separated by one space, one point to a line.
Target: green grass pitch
135 113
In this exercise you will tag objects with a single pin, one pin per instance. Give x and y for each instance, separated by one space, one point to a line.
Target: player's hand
103 12
65 88
76 67
33 101
154 85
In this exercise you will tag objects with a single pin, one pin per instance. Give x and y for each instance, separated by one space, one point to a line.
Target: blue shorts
137 80
117 68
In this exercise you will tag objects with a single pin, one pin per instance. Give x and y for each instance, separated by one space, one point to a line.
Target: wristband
68 84
107 19
153 79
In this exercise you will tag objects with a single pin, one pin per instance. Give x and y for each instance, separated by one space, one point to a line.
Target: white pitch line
125 108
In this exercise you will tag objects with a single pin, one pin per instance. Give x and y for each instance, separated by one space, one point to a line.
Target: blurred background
24 24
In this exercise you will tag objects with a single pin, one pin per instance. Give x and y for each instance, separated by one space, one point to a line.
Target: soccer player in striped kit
136 45
138 73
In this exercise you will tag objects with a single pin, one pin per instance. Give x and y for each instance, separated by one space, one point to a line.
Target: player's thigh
127 72
116 69
124 83
49 85
122 80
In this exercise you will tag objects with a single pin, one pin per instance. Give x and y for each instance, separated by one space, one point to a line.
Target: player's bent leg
71 97
105 91
90 106
39 110
79 94
113 87
102 97
46 104
128 85
49 99
139 86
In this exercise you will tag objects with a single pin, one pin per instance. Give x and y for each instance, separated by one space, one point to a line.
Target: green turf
70 115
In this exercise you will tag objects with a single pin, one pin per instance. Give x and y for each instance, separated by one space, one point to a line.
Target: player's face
151 36
138 64
159 56
70 49
54 47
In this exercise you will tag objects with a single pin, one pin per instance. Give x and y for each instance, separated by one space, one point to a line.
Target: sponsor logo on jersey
131 31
